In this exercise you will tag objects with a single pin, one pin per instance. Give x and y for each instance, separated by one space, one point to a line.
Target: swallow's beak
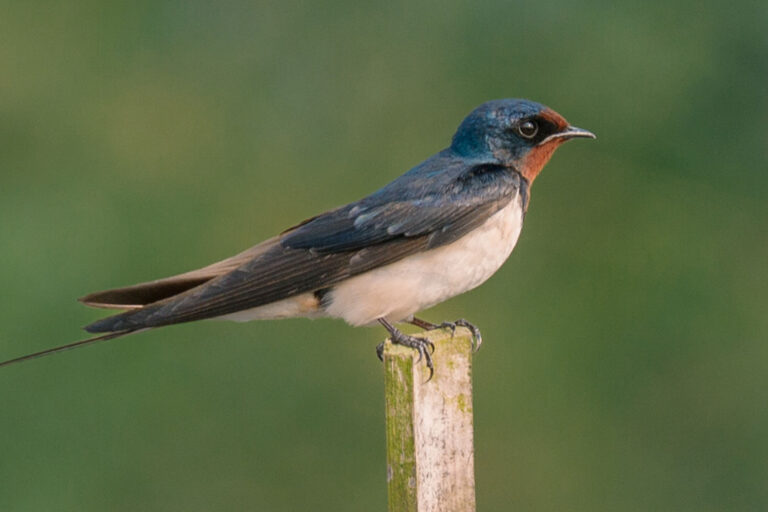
570 132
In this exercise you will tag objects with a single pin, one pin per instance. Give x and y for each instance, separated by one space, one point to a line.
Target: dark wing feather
139 295
406 217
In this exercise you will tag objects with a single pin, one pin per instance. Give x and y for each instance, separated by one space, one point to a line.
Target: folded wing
407 216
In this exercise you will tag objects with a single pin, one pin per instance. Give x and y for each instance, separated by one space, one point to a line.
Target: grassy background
626 357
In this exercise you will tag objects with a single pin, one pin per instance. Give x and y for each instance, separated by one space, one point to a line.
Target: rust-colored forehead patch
554 118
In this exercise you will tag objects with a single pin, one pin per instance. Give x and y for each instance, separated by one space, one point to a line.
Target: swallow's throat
535 160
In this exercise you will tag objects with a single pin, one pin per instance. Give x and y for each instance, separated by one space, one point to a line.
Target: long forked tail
81 343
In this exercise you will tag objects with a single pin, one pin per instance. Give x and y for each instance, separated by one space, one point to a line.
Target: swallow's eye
528 129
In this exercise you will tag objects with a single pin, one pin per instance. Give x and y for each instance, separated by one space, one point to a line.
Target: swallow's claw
420 350
423 346
380 351
477 337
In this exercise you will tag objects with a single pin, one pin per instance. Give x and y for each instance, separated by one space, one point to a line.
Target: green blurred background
626 357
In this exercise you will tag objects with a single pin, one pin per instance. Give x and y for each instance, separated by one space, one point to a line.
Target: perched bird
440 229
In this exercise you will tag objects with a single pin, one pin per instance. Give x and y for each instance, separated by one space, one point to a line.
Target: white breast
399 290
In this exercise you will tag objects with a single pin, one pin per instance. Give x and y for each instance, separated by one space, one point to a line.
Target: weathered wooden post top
430 450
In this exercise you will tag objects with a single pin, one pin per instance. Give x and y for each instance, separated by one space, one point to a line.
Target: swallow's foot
423 346
477 337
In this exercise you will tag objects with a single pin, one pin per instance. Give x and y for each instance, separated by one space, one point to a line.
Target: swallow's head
516 133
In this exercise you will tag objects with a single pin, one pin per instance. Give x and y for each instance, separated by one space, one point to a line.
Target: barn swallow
439 230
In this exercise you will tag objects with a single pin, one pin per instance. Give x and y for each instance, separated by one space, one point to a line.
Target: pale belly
401 289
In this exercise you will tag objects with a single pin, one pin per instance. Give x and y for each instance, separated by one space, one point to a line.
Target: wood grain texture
430 449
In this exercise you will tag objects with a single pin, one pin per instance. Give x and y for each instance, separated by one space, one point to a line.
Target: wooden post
430 450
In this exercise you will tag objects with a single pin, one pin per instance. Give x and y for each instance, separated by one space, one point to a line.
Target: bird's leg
427 326
422 345
477 337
